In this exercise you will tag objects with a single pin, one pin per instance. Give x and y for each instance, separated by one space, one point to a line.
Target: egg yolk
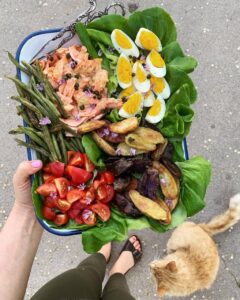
124 70
122 40
158 84
155 109
140 74
127 92
149 40
133 104
156 59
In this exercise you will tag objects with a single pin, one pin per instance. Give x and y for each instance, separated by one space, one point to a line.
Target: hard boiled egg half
156 112
156 64
148 40
124 71
123 43
160 87
140 80
149 99
127 92
133 106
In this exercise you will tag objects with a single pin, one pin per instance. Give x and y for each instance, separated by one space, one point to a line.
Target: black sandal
128 246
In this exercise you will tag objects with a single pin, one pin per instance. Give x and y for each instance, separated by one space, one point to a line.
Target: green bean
79 143
32 118
30 68
49 90
63 147
17 64
22 113
33 136
73 146
55 144
49 142
34 147
68 146
51 111
28 104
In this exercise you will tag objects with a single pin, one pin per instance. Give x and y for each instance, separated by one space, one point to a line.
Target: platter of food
108 113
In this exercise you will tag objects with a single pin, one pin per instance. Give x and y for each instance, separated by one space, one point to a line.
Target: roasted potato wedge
167 181
149 135
147 206
124 126
136 141
164 206
105 146
172 203
125 150
156 155
91 126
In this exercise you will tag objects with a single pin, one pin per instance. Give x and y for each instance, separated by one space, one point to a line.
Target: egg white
165 93
160 115
156 71
122 84
149 99
142 87
125 114
139 44
133 51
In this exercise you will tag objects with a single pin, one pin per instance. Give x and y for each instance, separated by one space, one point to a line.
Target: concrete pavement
207 30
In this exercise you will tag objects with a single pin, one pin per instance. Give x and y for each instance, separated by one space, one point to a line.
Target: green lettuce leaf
113 116
171 51
178 154
178 117
110 59
114 229
155 19
176 78
196 176
37 199
109 23
100 37
186 64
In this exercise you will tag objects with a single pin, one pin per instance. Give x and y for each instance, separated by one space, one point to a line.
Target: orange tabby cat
192 262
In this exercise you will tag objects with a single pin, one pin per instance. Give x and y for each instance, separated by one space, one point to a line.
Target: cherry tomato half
55 168
107 177
46 189
75 195
63 205
102 210
78 175
48 213
62 185
77 160
89 217
61 219
110 194
89 166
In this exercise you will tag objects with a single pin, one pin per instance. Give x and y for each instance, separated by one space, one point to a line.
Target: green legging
85 283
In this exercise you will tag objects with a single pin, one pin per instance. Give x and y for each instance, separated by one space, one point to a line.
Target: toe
132 239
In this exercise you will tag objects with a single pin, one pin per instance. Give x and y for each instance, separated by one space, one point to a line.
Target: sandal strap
128 246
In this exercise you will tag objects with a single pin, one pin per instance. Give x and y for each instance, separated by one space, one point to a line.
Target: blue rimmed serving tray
26 50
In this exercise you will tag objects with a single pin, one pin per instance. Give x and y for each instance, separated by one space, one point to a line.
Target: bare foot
125 261
106 251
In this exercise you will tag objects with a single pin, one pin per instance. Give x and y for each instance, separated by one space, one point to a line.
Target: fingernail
36 163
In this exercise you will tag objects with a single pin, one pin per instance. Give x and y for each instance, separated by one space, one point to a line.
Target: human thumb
24 171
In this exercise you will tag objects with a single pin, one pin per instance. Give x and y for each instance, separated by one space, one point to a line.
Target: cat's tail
226 220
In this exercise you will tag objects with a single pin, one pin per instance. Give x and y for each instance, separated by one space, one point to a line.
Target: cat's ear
172 267
161 292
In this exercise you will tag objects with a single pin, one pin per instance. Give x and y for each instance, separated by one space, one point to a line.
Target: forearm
19 241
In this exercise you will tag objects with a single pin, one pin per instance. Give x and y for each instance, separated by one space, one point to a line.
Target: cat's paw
235 203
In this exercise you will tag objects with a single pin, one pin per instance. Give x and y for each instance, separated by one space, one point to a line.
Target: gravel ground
208 30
